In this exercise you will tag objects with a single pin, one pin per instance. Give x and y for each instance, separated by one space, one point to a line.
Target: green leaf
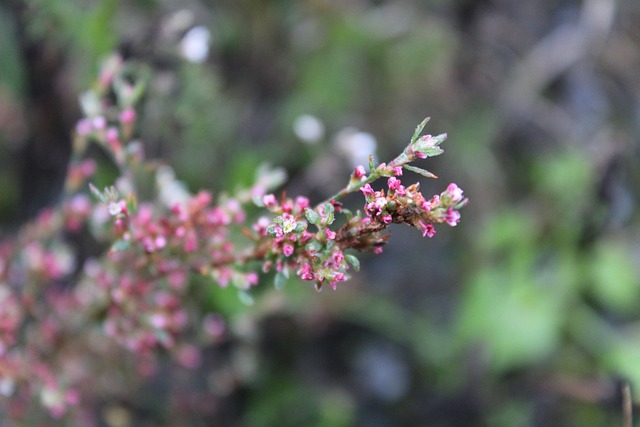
280 280
313 246
420 171
312 216
120 245
97 193
372 163
245 297
300 227
355 262
419 128
328 210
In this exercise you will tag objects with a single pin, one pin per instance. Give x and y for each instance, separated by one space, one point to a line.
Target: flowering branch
137 293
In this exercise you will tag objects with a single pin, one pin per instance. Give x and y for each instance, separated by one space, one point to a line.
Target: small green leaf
271 230
420 171
120 245
245 297
97 193
312 216
313 246
280 280
300 227
355 262
372 163
328 210
419 128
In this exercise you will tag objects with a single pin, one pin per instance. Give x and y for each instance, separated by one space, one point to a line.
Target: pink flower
83 127
189 356
302 203
112 135
453 217
396 185
117 207
367 190
128 115
359 172
337 257
427 229
397 171
287 249
99 122
331 235
306 272
455 192
387 219
252 278
269 200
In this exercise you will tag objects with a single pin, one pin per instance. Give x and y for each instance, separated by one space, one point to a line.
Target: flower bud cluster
407 205
286 243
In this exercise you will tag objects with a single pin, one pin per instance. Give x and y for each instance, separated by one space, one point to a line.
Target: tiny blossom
117 207
84 127
306 272
452 217
128 115
269 200
367 190
455 192
302 203
331 235
287 249
288 223
359 172
99 122
427 229
112 135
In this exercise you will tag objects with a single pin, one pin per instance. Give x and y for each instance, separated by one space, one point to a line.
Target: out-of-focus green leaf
615 278
515 320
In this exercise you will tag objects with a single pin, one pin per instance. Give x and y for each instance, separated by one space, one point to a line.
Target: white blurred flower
356 145
171 191
308 128
194 46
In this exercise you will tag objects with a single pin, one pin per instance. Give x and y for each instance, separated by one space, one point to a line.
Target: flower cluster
64 317
286 243
406 205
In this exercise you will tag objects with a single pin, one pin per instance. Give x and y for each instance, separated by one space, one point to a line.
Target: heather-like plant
64 323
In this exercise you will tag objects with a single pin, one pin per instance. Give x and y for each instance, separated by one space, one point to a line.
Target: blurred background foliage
528 313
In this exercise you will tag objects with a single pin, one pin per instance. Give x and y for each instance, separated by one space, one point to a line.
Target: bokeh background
526 314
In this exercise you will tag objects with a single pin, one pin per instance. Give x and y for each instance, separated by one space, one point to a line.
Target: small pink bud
117 207
99 122
306 272
287 249
427 229
112 134
269 200
453 217
367 190
455 192
83 127
359 172
128 115
302 203
331 235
